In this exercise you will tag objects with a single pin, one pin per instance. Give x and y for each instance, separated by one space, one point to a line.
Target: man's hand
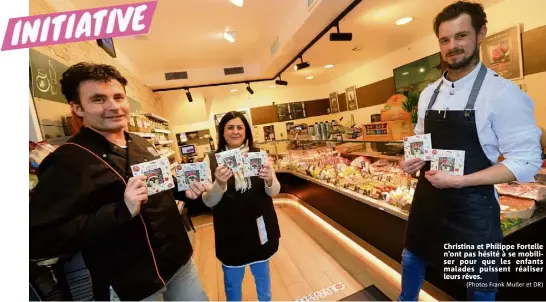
443 180
135 194
196 189
412 165
222 174
266 173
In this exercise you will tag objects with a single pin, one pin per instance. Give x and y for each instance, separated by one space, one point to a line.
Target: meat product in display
524 190
514 207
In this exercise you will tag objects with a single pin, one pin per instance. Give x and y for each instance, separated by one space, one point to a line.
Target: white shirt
504 120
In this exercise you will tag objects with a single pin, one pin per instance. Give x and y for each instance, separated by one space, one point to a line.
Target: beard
466 61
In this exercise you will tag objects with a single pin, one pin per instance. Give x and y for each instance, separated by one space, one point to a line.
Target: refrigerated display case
358 185
369 172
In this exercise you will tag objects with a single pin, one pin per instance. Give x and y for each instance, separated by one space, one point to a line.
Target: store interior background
187 36
385 46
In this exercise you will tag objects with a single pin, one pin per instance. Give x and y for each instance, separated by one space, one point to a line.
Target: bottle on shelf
327 130
317 131
322 131
335 128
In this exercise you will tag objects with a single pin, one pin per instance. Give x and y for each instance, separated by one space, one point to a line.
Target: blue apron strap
434 96
476 88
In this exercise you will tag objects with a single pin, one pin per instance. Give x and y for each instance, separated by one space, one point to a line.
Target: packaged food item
232 159
158 175
253 162
401 197
362 162
188 173
451 161
418 146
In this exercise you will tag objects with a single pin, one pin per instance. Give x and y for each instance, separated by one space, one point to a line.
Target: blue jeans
413 274
183 286
233 280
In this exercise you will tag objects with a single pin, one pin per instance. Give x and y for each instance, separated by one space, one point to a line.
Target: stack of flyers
253 162
451 161
418 146
158 175
232 159
188 173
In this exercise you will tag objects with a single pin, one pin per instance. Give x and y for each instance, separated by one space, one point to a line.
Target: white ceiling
187 35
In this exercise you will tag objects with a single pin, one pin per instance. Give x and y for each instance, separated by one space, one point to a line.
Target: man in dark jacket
87 200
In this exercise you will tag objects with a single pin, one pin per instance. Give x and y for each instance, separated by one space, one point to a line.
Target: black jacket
78 204
237 238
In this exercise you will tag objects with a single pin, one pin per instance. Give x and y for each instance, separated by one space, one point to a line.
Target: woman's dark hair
228 117
453 11
81 72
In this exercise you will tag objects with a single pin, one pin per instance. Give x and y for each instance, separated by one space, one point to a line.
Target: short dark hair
474 10
81 72
228 117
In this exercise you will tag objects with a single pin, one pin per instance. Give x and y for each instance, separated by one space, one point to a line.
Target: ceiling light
233 90
272 86
358 48
238 3
188 95
310 77
328 66
281 82
405 73
249 89
340 36
404 20
421 69
301 65
229 36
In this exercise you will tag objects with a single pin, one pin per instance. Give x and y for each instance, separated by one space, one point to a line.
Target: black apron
235 217
468 215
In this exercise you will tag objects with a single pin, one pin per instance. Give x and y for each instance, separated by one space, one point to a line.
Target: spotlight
188 95
404 20
229 36
249 89
341 36
238 3
281 82
302 65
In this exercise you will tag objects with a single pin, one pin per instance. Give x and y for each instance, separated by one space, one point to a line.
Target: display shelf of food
161 131
156 130
145 135
167 153
375 178
156 117
164 142
377 203
371 198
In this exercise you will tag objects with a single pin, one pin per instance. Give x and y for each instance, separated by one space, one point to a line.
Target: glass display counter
368 171
358 185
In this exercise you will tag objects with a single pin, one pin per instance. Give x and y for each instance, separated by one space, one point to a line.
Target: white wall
500 16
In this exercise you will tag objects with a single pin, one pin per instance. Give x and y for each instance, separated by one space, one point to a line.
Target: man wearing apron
474 110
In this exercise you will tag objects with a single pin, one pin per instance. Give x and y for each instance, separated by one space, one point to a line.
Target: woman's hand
197 189
266 173
222 175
